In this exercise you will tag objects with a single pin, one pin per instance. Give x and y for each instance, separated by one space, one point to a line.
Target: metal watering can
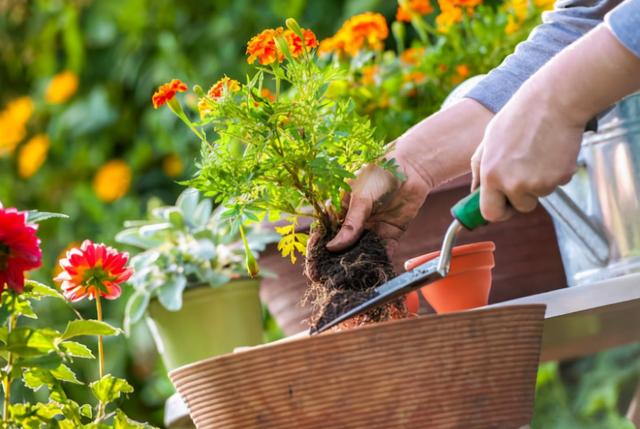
597 214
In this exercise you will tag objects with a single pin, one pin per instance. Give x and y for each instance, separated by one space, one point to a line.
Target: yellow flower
62 87
512 25
172 165
449 15
32 155
369 74
13 121
544 4
112 180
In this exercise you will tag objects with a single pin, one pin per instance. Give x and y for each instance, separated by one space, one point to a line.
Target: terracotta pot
469 281
472 370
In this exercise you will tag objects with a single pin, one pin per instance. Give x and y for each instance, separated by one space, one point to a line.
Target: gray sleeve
566 23
624 23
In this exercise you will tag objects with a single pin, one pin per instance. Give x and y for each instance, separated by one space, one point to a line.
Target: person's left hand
528 149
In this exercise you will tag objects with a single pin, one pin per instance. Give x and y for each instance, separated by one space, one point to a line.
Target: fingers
475 167
494 205
358 212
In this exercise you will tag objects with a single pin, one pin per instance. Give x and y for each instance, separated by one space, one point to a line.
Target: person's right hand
434 151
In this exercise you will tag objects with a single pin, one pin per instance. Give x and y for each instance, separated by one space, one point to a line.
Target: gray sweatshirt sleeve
566 23
624 23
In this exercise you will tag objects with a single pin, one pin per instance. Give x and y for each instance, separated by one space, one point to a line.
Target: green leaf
64 373
121 421
77 328
49 361
74 349
170 293
136 308
187 202
203 213
35 378
109 388
30 342
86 411
38 289
35 216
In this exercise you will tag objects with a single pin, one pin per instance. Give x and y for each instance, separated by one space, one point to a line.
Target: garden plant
40 357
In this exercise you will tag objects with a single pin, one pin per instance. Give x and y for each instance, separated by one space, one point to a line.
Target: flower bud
292 25
251 264
199 91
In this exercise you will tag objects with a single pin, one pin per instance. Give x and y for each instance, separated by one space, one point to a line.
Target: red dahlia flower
19 248
93 269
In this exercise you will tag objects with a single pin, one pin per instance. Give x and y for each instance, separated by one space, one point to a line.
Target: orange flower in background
449 15
32 155
468 4
367 30
295 43
172 165
112 180
462 72
167 92
266 93
13 123
62 87
93 270
512 26
262 47
519 8
224 86
412 55
415 77
413 7
369 74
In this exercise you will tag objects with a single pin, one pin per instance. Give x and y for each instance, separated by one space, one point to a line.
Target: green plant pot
212 321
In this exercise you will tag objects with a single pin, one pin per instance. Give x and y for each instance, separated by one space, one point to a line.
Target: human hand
531 145
434 151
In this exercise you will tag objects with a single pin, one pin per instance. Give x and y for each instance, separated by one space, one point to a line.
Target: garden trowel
466 213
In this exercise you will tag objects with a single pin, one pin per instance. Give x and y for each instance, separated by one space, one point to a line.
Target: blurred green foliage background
120 51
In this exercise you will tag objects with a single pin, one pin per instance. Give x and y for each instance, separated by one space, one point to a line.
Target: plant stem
100 413
6 381
100 340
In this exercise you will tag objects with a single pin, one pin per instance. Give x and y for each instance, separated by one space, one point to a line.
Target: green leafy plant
290 155
185 245
41 357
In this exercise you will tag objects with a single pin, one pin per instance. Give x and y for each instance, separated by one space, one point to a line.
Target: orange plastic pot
468 283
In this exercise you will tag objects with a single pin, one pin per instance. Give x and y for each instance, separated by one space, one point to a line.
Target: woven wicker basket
471 370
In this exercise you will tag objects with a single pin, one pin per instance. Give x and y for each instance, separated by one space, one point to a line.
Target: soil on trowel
341 281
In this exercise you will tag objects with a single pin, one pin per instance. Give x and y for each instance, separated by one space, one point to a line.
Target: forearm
568 22
591 75
439 147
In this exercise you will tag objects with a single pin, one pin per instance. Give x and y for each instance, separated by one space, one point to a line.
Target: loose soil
341 281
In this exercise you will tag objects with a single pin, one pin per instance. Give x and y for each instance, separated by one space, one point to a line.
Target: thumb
475 167
359 211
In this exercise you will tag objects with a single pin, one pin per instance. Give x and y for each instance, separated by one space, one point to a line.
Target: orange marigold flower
468 4
222 87
112 181
412 55
266 93
62 87
544 4
93 270
415 77
462 72
449 15
295 44
262 47
369 74
32 155
367 30
167 92
512 26
172 165
413 7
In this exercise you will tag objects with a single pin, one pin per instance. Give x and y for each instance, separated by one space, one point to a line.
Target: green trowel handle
467 211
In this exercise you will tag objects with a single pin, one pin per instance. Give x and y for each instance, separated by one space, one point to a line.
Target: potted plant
190 279
290 154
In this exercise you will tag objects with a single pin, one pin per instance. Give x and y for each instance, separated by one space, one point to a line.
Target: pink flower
93 269
19 248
